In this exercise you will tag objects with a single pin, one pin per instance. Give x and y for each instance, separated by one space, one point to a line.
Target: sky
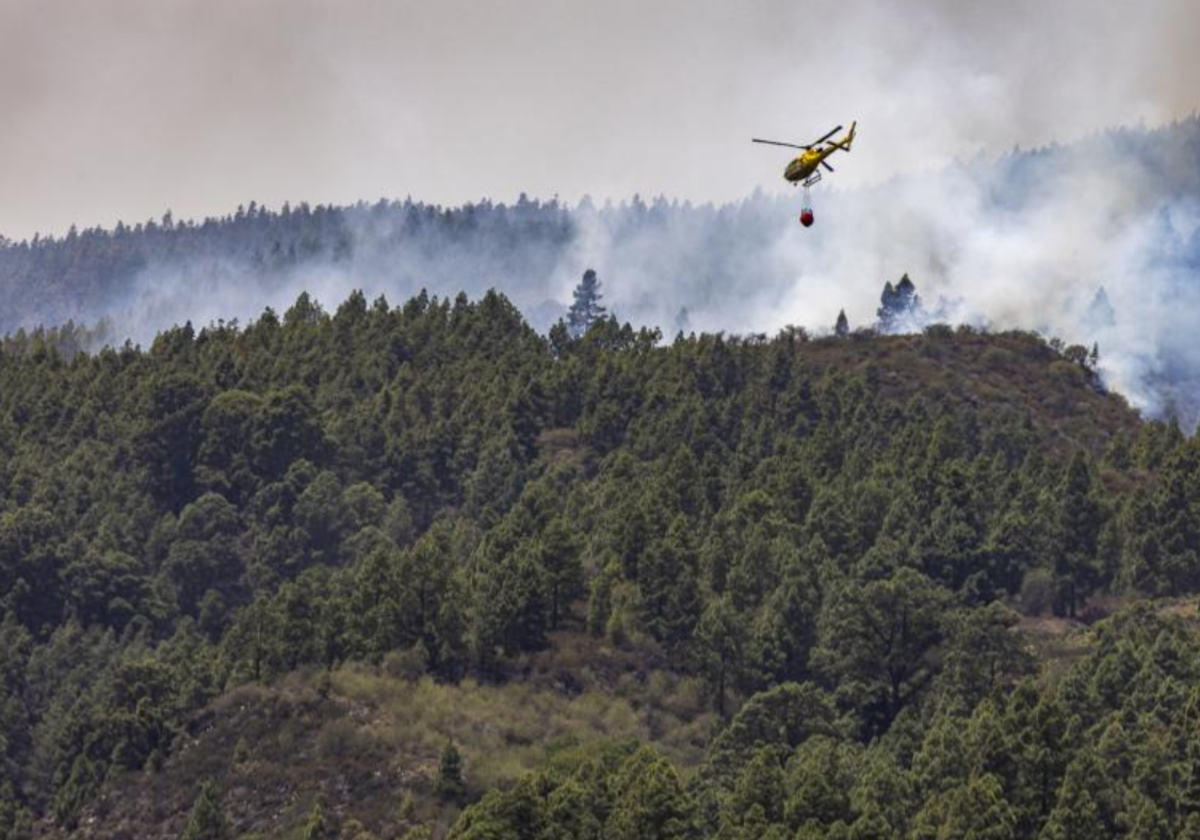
122 109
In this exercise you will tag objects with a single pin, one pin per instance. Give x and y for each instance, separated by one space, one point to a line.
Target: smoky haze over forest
1025 241
120 111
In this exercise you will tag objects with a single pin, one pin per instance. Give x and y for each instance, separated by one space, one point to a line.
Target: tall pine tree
842 327
207 822
586 310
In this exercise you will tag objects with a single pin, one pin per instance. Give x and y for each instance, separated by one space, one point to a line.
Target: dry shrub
409 664
998 358
341 738
1099 607
502 730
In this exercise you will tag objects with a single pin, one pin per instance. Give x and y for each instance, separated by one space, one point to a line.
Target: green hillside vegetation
368 743
720 587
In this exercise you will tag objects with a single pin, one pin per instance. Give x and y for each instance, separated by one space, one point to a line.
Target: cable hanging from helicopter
804 168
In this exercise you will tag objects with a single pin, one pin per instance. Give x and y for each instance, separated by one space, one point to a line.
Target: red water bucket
806 217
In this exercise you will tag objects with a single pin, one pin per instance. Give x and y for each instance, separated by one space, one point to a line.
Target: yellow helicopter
803 168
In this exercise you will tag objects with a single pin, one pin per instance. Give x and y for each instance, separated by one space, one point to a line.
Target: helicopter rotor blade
827 166
777 143
827 136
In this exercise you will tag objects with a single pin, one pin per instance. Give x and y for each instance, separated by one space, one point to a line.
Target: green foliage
878 642
983 653
315 827
450 785
649 801
719 638
815 531
615 793
585 308
206 821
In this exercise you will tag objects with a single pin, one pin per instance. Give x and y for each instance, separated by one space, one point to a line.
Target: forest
815 575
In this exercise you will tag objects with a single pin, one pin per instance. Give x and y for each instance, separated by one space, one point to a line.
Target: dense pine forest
422 571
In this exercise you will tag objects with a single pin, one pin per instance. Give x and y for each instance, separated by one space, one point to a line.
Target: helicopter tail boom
844 143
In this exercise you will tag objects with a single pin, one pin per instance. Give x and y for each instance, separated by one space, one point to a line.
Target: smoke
1026 242
119 110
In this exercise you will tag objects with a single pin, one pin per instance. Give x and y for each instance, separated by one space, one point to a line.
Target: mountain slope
437 490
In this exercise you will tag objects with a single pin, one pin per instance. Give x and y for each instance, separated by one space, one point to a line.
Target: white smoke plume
119 110
1024 242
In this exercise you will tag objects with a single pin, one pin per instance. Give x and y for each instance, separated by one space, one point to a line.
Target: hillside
366 743
996 374
299 557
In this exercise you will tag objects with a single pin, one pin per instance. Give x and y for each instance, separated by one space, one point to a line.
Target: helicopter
803 169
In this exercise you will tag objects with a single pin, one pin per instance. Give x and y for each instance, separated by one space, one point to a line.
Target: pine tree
16 822
906 294
1147 821
979 811
559 556
668 586
877 640
207 822
649 801
719 647
586 310
1190 829
842 328
1080 519
315 827
241 751
899 304
450 786
511 613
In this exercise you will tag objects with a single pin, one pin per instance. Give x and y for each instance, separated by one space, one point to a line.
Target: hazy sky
120 109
